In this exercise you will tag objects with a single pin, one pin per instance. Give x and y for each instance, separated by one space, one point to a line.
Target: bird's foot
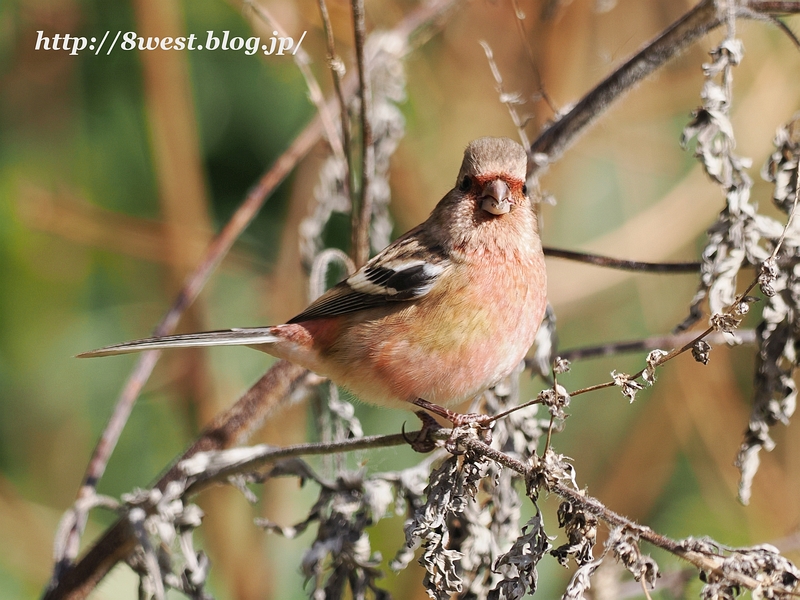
477 421
423 442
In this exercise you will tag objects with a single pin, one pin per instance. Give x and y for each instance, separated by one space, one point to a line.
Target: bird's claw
423 442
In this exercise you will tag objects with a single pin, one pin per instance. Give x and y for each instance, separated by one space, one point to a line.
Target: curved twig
625 265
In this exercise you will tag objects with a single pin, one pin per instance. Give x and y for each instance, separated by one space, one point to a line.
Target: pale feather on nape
226 337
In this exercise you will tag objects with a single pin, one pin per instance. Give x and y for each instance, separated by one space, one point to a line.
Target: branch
278 386
538 472
554 140
213 467
194 284
704 561
362 216
337 68
701 19
624 265
746 336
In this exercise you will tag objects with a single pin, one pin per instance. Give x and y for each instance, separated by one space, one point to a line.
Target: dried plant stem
362 215
337 73
194 284
519 16
531 471
745 336
510 100
554 140
625 265
279 385
303 62
147 361
705 562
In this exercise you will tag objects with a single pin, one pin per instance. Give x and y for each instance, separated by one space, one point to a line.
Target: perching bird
442 314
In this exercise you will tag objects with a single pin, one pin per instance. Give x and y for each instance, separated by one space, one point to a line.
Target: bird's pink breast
446 351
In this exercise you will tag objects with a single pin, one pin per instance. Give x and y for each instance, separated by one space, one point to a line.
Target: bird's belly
408 354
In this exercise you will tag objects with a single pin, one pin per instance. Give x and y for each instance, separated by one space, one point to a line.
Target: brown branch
194 284
303 62
703 561
790 7
337 73
746 336
362 215
701 19
280 385
624 265
554 140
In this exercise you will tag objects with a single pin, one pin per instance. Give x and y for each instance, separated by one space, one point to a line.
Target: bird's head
493 174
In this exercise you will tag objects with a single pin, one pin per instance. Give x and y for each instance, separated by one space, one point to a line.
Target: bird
442 314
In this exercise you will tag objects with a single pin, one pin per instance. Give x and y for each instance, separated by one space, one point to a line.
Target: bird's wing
406 270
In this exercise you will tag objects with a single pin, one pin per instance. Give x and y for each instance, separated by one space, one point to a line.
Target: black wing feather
341 300
406 282
396 285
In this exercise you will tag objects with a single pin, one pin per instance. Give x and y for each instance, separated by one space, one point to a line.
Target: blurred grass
85 260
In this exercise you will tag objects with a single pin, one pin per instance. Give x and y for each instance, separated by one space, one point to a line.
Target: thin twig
194 284
303 62
362 216
263 454
744 336
510 100
337 68
786 30
519 16
777 248
644 588
625 265
677 351
281 384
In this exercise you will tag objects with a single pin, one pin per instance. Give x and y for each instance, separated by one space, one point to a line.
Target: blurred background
115 171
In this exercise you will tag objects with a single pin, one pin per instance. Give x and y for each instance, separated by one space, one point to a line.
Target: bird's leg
458 419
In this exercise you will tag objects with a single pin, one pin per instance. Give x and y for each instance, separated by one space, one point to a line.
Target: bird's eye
525 189
466 183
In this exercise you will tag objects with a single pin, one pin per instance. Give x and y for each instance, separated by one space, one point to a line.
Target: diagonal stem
362 215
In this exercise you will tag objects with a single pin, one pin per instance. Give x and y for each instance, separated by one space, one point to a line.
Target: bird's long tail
226 337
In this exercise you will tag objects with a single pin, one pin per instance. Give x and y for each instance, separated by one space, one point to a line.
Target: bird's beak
496 197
